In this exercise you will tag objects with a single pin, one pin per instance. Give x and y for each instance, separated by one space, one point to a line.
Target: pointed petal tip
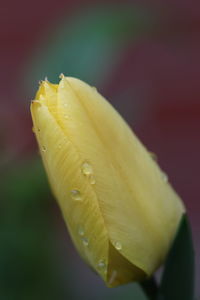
61 76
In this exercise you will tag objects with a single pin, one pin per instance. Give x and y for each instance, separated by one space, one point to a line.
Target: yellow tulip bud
120 210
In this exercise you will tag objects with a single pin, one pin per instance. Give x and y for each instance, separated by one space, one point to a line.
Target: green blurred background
144 58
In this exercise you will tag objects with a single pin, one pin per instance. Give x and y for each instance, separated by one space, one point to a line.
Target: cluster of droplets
43 148
76 195
34 129
102 267
87 170
82 236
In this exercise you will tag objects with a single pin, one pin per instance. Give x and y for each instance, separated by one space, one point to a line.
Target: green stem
150 288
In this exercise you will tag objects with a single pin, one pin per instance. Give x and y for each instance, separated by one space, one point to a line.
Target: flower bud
121 212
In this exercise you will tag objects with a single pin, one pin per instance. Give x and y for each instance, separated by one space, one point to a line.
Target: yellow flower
120 210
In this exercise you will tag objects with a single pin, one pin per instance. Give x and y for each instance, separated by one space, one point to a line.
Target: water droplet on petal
76 195
153 156
44 149
59 146
66 117
65 104
85 241
164 177
81 231
101 265
92 179
87 168
118 245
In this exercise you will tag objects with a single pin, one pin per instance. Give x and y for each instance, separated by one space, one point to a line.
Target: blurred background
144 57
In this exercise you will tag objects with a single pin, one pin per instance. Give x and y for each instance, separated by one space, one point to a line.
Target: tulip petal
121 212
63 165
140 209
120 270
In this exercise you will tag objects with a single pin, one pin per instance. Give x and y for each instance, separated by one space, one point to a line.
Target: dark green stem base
150 288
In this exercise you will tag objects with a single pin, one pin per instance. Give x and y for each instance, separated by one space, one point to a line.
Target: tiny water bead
81 231
66 117
76 195
153 156
164 177
85 241
87 168
102 265
92 179
118 245
44 149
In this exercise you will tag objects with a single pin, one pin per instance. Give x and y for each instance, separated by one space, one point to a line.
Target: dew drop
92 179
66 117
76 195
153 156
59 146
101 264
81 231
44 149
65 104
164 177
87 169
118 245
85 241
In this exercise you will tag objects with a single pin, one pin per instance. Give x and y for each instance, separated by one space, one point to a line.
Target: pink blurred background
153 82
